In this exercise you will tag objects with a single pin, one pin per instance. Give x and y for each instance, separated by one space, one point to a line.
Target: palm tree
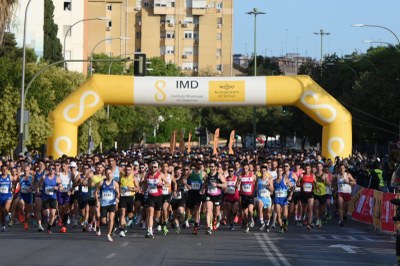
6 7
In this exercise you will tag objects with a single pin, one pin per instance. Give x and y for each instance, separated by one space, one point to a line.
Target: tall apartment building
196 35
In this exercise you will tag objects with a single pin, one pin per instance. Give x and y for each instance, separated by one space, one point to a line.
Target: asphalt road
354 244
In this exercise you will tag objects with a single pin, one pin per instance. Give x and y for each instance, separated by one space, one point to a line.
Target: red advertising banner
387 212
365 207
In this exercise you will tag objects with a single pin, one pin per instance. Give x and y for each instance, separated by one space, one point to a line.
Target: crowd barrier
372 207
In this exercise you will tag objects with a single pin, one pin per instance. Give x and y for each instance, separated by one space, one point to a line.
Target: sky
289 25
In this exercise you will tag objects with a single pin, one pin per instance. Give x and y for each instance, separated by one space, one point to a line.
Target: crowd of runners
155 190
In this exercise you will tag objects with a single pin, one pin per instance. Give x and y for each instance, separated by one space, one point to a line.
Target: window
109 7
169 49
187 66
219 5
219 52
188 34
188 50
219 67
170 19
219 36
170 35
67 5
138 50
139 35
65 29
188 20
219 21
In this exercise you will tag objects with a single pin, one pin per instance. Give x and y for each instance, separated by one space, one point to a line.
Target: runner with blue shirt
281 187
264 187
6 195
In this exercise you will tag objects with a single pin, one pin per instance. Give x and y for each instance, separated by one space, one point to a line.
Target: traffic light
284 110
139 65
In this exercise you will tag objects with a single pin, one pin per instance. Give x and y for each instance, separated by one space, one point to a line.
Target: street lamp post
255 13
97 44
70 27
322 33
378 42
378 26
21 119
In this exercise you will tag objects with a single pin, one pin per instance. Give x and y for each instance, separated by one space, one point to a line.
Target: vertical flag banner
216 138
365 207
172 142
181 141
231 140
189 139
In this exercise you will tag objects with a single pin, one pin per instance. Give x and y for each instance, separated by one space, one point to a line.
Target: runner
154 182
38 194
94 204
15 176
25 194
320 194
231 200
140 203
50 185
194 181
247 181
307 182
344 181
64 196
166 197
6 194
213 185
281 186
108 194
264 187
129 186
178 201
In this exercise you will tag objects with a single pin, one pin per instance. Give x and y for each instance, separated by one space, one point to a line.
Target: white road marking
125 244
111 255
277 252
348 249
268 253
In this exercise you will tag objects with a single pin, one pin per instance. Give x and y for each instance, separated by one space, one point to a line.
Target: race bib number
231 190
153 189
297 189
165 190
307 187
85 189
49 191
4 190
265 193
24 189
281 193
125 192
345 188
196 186
246 188
178 195
107 195
212 190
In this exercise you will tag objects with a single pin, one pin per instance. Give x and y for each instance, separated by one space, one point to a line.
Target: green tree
8 109
52 48
6 8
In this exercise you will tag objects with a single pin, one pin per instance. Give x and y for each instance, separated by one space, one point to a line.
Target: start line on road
330 245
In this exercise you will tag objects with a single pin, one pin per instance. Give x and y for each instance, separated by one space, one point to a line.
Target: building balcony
163 10
198 11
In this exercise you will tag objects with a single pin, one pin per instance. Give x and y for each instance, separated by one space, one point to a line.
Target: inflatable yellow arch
299 91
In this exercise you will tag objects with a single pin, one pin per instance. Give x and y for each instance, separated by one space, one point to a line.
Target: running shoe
223 222
217 225
208 231
267 228
236 219
281 230
3 229
309 227
109 238
159 228
98 233
11 223
251 222
40 228
214 224
195 231
49 231
26 226
63 229
231 228
122 234
262 227
178 230
165 230
247 229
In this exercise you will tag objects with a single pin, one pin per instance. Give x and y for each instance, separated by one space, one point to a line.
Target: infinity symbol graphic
319 106
81 106
330 146
160 95
57 145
